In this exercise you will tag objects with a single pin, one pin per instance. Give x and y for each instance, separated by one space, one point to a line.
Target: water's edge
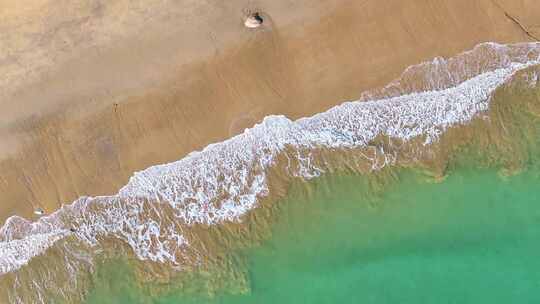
159 214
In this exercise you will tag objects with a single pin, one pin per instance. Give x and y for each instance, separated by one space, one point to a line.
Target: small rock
254 21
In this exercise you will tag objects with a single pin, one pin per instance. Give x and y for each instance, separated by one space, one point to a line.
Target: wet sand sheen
471 238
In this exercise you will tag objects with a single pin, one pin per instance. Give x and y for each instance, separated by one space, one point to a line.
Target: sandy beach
93 91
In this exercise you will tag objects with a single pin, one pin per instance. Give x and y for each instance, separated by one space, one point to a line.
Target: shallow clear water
472 238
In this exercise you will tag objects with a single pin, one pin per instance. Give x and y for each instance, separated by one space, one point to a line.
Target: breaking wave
154 212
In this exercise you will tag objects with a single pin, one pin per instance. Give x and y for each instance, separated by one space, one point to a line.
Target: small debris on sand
254 21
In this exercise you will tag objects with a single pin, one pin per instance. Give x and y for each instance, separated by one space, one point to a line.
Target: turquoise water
472 238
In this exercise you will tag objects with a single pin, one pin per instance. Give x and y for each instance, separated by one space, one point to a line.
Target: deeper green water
473 238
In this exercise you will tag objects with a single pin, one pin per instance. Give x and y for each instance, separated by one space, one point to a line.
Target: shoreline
225 190
348 126
297 67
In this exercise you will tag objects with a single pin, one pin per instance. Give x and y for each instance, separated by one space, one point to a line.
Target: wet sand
92 92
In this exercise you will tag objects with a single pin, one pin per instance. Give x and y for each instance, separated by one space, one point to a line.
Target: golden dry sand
92 91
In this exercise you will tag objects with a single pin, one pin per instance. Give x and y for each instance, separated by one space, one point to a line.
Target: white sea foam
17 253
225 180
